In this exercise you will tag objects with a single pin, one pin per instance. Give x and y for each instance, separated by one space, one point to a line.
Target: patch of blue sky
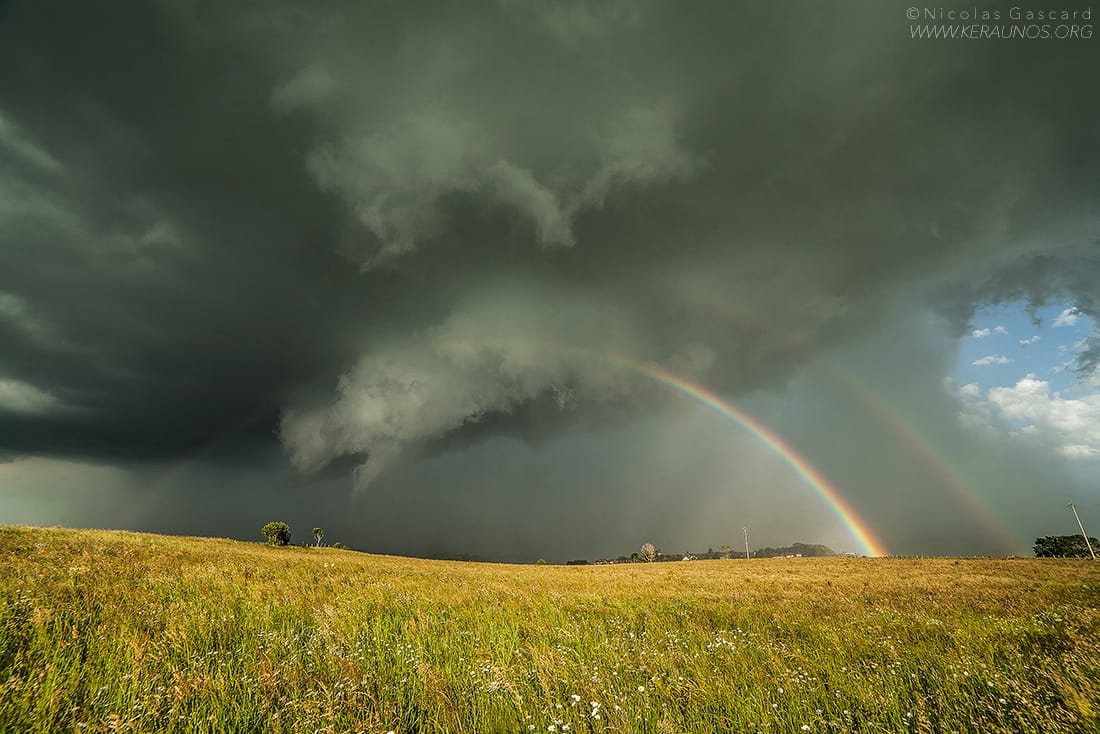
1007 342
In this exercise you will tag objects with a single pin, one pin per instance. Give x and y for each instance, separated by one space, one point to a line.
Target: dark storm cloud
699 167
385 229
175 274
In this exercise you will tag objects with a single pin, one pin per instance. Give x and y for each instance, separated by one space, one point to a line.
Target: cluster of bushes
1066 546
278 533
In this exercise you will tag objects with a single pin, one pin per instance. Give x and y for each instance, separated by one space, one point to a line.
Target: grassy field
111 631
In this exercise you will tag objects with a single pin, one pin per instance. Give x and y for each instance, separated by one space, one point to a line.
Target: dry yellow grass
112 631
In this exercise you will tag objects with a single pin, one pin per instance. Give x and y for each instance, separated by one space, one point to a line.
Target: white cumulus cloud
1078 451
970 390
1069 317
990 359
1069 426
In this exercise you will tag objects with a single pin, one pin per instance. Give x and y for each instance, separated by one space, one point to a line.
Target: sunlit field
111 631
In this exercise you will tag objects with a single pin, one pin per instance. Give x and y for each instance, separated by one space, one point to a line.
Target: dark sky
377 266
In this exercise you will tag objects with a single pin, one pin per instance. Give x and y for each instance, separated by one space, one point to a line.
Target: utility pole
747 543
1083 534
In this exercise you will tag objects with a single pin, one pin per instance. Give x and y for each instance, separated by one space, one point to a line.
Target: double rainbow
860 531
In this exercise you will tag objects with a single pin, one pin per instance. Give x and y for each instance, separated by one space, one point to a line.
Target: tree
649 552
318 533
338 545
1063 546
725 551
540 562
634 557
277 533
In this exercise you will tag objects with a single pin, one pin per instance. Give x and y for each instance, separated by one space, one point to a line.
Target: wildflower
551 728
641 689
805 727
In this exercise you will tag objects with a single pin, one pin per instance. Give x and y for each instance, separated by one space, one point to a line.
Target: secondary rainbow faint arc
886 414
856 526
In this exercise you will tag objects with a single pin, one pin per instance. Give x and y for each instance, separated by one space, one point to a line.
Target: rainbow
923 449
886 414
857 527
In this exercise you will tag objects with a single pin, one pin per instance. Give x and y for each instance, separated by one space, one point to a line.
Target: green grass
110 631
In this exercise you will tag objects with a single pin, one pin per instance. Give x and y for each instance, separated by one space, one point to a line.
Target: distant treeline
1065 546
805 550
814 550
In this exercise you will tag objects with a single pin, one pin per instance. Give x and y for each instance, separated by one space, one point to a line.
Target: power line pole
1083 534
746 543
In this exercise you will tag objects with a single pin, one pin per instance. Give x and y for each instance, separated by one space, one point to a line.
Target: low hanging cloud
491 356
19 397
